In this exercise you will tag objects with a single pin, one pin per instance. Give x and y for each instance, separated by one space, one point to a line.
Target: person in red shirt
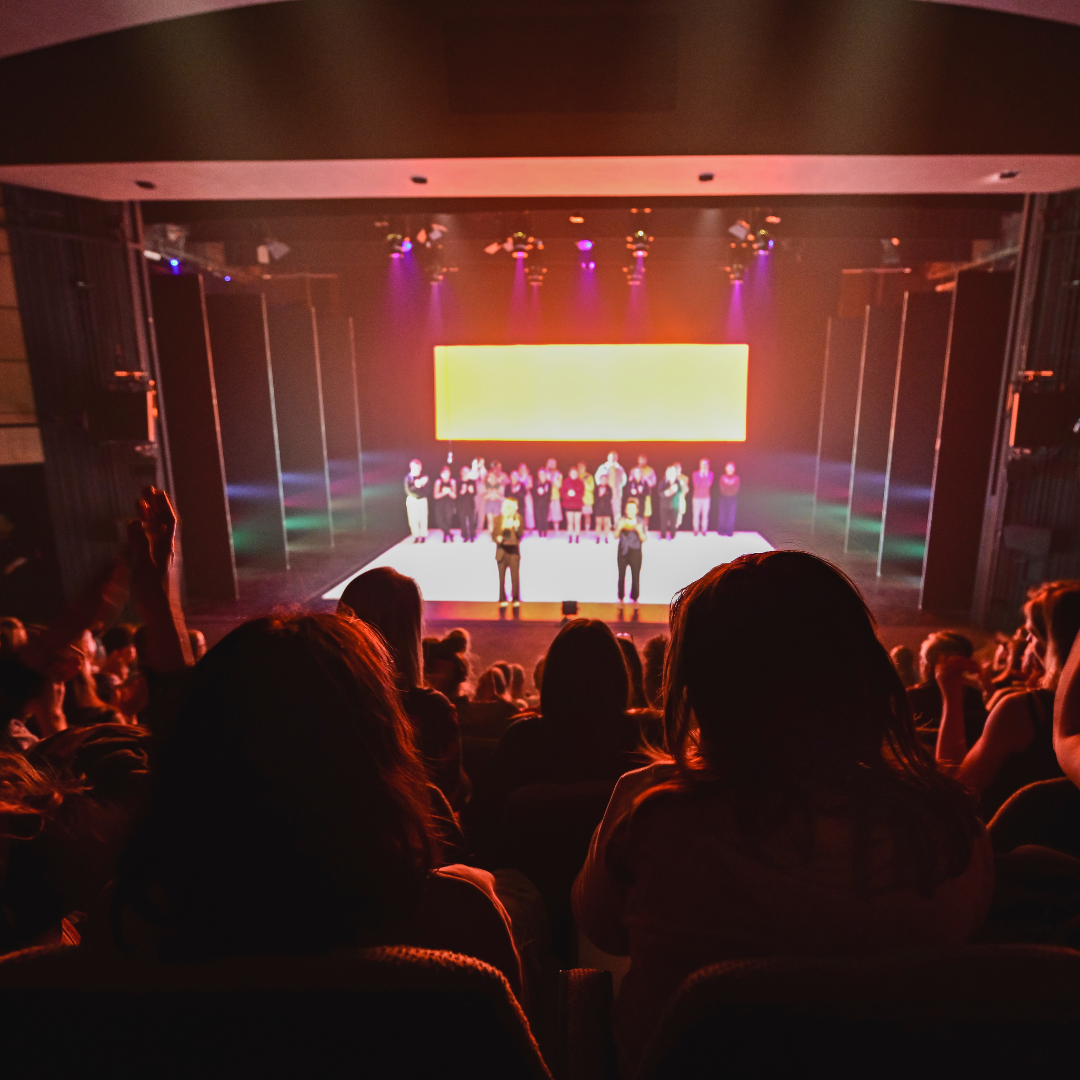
573 500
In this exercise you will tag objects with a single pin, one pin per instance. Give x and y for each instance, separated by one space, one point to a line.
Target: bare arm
952 745
1067 716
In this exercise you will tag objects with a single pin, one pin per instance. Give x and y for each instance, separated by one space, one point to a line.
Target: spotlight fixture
635 274
588 264
639 243
761 241
534 274
773 219
890 252
576 219
399 245
271 249
519 245
436 272
584 245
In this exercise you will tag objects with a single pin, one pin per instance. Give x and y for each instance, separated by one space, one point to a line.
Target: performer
631 534
542 501
445 498
602 510
528 512
638 490
466 505
479 474
555 514
571 497
416 489
588 497
615 476
556 479
649 475
517 491
494 488
669 503
684 487
703 482
729 499
507 537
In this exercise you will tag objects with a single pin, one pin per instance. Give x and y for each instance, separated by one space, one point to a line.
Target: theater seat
545 833
983 1010
1046 813
383 1012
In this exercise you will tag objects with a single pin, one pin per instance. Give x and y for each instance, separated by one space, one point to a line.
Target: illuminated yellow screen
583 393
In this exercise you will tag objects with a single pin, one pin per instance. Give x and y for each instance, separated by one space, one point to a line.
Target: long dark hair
390 602
291 812
585 680
778 692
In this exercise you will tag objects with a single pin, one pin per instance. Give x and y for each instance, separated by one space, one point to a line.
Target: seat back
979 1010
398 1012
1046 813
545 833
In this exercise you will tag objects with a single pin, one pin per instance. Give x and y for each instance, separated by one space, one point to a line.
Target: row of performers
472 501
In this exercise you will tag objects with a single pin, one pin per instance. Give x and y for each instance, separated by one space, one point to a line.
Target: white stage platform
553 570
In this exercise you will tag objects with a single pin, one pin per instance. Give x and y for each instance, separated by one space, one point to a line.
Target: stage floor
458 580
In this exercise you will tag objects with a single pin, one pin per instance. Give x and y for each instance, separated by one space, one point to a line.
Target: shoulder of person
429 701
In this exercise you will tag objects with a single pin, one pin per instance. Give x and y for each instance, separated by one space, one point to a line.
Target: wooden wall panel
836 431
341 409
239 339
913 431
873 410
294 355
188 393
980 319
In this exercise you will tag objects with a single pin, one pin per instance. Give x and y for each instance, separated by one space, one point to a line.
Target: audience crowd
765 781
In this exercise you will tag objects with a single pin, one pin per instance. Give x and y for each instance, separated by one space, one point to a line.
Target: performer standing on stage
648 474
588 497
631 534
684 487
416 508
729 499
669 503
542 501
555 514
638 490
615 476
602 510
528 508
517 491
466 505
445 500
572 498
494 488
479 474
507 536
703 482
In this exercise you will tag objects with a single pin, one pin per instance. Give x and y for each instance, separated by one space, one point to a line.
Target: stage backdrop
645 392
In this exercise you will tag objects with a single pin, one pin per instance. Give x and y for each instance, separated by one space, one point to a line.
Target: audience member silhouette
798 812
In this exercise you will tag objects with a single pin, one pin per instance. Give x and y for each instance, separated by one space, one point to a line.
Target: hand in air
950 672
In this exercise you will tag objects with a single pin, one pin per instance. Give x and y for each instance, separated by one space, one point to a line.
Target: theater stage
458 580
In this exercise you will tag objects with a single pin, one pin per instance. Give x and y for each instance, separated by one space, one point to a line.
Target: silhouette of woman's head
585 679
291 811
392 604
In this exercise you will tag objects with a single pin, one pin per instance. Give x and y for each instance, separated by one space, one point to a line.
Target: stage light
741 229
890 253
635 274
418 179
174 262
227 278
772 219
435 273
576 219
761 241
399 245
735 273
705 177
584 245
520 245
534 275
154 255
588 264
639 243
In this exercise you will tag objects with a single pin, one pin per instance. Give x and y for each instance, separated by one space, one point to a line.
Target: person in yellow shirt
589 497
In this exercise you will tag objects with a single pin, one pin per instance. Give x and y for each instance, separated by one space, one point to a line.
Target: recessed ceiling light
148 185
577 219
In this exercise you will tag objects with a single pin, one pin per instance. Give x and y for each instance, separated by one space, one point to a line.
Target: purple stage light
227 278
406 245
174 262
584 245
